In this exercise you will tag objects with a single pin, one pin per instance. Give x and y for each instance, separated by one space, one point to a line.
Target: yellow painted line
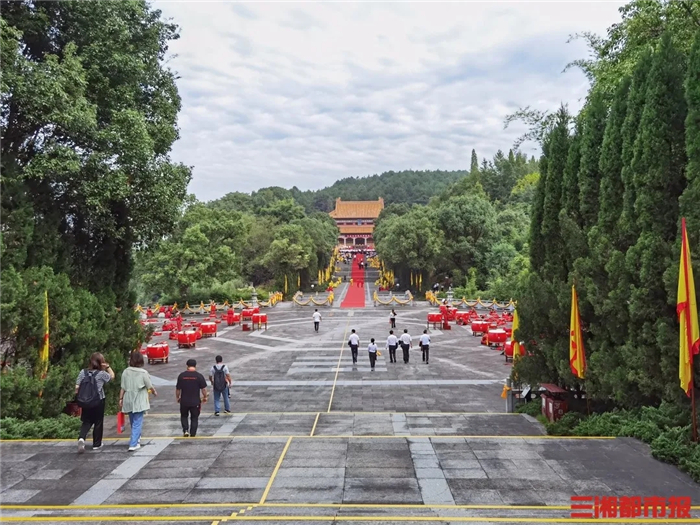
313 429
317 436
274 472
250 506
337 368
466 519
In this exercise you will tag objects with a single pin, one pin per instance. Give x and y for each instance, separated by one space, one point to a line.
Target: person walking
317 320
354 344
90 394
392 343
372 350
425 346
133 396
190 384
220 379
392 318
406 344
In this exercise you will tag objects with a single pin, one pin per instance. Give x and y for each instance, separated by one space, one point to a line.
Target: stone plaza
314 439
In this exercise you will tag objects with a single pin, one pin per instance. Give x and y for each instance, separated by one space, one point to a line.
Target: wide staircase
355 296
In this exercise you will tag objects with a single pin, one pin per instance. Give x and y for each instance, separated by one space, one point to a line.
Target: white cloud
306 93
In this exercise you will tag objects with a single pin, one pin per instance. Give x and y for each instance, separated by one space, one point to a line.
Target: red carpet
355 298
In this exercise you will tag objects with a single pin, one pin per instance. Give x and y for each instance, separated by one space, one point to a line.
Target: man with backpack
220 379
90 395
190 384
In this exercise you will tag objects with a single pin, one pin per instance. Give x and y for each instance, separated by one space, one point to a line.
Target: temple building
355 220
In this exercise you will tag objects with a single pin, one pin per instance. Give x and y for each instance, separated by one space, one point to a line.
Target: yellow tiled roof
357 209
355 228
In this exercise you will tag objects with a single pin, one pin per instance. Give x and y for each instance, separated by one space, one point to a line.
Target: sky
303 94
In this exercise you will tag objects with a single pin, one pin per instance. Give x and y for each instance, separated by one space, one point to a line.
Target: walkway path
355 296
315 440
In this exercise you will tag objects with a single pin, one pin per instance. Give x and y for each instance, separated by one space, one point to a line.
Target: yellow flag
44 352
577 354
285 284
514 341
687 310
298 280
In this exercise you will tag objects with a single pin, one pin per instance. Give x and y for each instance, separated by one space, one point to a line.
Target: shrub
566 425
20 394
61 427
533 408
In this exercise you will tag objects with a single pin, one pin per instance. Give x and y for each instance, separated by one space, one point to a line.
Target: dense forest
88 118
615 181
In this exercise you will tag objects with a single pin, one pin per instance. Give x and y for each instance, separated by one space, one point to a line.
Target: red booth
187 339
158 352
208 329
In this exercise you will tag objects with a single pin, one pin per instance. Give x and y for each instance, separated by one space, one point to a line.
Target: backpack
219 382
88 394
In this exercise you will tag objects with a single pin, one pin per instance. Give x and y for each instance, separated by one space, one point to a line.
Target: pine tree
474 169
627 227
658 175
537 242
691 196
556 162
570 191
589 172
610 165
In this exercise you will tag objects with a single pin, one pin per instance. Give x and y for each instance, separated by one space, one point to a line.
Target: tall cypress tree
474 168
570 192
558 150
691 196
659 179
605 359
589 172
537 242
627 227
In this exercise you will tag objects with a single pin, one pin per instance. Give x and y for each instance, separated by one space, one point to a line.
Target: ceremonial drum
247 314
158 352
188 339
497 337
260 319
434 318
462 317
232 317
208 329
479 327
173 334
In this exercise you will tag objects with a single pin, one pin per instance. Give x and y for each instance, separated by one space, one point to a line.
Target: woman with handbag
133 397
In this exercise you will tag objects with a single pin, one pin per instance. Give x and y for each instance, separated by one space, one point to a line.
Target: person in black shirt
189 385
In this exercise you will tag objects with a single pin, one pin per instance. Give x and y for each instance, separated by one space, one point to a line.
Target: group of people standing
136 385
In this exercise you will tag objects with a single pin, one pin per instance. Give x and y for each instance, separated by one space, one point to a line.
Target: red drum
247 314
260 319
509 331
208 329
479 327
173 334
158 352
187 339
497 337
509 350
232 317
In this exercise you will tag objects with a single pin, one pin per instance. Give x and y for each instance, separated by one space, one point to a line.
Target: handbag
120 422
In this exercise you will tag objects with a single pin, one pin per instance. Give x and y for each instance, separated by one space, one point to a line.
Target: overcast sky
307 93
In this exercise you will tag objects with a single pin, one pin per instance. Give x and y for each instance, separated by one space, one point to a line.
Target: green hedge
61 427
667 430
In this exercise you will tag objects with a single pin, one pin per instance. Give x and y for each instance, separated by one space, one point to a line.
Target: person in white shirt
392 343
392 318
425 346
372 350
354 344
406 344
317 320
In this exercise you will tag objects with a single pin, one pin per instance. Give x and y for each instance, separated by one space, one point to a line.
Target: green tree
571 201
658 165
691 195
589 172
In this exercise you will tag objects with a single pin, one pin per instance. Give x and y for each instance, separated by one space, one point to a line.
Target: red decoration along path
355 298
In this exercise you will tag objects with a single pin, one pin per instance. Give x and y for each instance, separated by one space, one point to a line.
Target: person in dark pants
187 392
354 344
425 346
372 350
317 320
406 344
392 318
392 343
94 416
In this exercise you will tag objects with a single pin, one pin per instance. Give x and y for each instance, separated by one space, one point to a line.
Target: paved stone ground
314 439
